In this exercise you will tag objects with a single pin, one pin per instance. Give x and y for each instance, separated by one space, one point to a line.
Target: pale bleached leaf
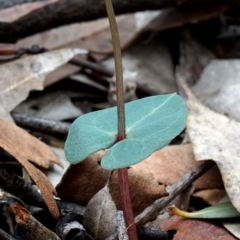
216 137
19 77
219 87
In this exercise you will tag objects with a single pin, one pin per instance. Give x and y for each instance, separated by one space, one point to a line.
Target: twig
96 67
26 222
41 124
5 236
152 211
65 12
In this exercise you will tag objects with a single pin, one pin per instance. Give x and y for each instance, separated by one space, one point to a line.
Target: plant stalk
122 173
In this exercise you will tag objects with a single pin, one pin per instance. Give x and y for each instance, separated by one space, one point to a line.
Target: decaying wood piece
33 229
66 12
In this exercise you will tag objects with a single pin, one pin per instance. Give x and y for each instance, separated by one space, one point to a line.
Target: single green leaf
222 210
151 123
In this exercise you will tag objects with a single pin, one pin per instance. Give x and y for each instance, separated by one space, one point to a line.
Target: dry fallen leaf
175 17
189 229
82 181
166 167
100 216
194 57
171 163
215 136
219 87
156 72
26 148
26 74
12 14
54 105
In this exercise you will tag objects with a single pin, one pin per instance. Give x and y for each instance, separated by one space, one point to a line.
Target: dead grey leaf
175 17
215 136
100 215
193 57
155 72
55 105
219 87
23 75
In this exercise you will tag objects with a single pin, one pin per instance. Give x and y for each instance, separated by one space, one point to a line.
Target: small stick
81 62
151 212
41 124
5 236
32 228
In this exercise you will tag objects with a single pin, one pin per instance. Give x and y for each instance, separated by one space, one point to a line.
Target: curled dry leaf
215 136
14 13
19 77
189 229
100 216
26 149
82 181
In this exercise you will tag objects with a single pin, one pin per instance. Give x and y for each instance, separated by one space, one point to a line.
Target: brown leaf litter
147 179
189 229
27 150
82 181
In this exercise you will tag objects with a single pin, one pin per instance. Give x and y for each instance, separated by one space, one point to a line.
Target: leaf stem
122 173
118 69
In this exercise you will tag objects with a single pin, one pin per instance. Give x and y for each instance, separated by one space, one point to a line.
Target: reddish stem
126 203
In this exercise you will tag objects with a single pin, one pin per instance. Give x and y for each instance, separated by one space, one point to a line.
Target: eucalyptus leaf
222 210
151 123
